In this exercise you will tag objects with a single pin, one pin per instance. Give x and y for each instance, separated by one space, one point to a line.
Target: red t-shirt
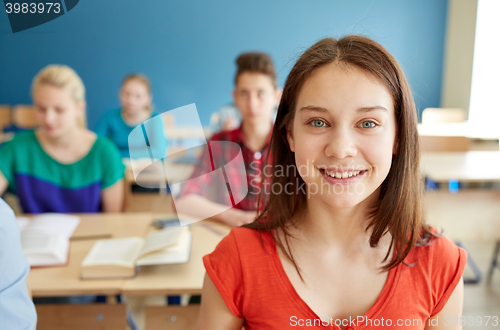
254 285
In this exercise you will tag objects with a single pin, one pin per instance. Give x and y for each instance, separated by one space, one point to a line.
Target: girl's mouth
338 177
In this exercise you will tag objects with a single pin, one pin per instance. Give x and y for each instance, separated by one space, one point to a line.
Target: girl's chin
131 111
53 133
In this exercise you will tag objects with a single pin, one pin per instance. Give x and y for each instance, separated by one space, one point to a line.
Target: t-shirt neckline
39 145
380 302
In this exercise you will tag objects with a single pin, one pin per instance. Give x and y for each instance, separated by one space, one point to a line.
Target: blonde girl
61 166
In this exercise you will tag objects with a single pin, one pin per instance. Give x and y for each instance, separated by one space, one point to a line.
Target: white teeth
343 175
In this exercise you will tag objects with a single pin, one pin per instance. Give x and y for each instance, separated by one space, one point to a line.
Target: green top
45 185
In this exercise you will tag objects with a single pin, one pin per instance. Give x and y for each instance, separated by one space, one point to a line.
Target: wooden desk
470 166
152 280
467 129
65 280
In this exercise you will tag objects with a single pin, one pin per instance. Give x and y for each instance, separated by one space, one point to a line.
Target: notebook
45 238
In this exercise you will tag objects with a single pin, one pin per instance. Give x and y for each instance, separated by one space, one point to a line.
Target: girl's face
56 110
134 96
343 135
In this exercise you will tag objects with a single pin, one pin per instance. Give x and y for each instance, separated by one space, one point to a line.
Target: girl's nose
341 144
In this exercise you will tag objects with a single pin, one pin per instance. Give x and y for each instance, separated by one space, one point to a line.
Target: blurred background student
256 95
61 166
136 108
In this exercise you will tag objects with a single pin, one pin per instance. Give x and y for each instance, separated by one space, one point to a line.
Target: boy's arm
199 206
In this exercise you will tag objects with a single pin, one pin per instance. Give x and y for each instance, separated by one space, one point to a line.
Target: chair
23 117
171 317
5 119
81 317
443 115
444 143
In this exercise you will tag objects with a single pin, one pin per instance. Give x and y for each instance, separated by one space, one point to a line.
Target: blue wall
187 48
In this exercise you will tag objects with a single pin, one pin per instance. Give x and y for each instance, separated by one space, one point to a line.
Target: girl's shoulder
111 115
243 240
247 237
243 247
23 138
436 249
431 272
240 260
23 144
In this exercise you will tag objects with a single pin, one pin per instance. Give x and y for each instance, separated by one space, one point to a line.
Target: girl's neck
256 135
65 141
134 115
344 227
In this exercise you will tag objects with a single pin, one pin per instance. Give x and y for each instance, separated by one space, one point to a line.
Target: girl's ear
291 142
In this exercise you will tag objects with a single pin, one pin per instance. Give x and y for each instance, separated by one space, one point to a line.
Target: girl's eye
368 124
318 123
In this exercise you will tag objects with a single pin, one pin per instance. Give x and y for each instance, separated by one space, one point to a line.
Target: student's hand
237 218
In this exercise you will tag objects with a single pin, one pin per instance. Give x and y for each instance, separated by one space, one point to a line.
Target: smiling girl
343 244
62 166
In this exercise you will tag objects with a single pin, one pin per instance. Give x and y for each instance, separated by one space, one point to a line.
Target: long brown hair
398 210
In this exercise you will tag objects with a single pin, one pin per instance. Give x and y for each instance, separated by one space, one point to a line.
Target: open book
45 238
118 257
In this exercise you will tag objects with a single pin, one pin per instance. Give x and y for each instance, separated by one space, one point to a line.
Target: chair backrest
5 118
23 116
444 143
443 115
81 317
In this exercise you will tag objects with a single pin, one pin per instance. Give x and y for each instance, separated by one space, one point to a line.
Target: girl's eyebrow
313 109
368 109
324 110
